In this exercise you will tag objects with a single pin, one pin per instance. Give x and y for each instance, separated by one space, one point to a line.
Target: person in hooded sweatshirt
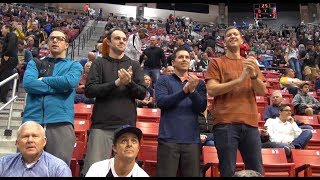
115 81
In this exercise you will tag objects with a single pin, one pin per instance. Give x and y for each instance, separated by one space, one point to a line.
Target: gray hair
247 173
31 123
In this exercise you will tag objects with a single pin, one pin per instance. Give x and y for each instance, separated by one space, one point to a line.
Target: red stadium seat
301 157
83 111
314 142
262 103
309 120
148 155
150 131
148 114
275 163
210 155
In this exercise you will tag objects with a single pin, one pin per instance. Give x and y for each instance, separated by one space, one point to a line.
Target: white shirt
282 132
101 169
134 52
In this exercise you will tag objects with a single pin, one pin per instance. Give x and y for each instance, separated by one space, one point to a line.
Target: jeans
295 65
230 137
302 140
81 98
153 73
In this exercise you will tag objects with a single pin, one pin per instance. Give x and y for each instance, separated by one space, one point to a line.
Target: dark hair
231 27
108 35
8 26
181 37
282 106
21 42
176 51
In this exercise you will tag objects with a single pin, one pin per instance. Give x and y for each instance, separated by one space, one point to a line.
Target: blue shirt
271 111
47 166
179 111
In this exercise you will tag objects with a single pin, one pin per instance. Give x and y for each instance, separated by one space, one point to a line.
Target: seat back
210 155
83 111
79 150
303 156
150 132
309 120
314 142
262 103
275 162
148 154
148 115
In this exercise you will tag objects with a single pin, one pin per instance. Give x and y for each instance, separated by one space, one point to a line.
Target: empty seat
210 156
301 157
275 163
83 111
148 155
309 120
314 142
150 131
148 114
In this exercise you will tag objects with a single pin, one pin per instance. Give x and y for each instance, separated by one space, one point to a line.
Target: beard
116 50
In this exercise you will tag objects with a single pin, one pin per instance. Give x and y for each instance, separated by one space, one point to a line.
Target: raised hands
124 76
192 83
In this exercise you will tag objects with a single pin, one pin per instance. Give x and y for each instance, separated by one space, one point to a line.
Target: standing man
115 81
50 84
133 49
9 59
153 59
234 82
181 97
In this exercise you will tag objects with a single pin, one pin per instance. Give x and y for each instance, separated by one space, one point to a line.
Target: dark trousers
230 137
172 156
4 89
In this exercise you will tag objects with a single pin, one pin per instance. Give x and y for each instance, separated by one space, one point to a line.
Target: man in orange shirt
234 82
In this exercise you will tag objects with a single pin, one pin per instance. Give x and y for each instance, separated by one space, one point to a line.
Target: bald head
91 56
153 41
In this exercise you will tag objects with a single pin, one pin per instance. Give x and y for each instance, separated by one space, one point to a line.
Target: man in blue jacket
50 85
181 97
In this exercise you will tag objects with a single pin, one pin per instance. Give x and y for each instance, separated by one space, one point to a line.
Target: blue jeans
302 140
295 65
153 73
230 137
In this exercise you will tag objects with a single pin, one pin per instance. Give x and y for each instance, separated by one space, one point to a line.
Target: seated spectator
169 70
80 96
285 132
91 57
148 100
205 126
126 145
304 103
203 64
290 82
272 111
24 56
32 160
31 46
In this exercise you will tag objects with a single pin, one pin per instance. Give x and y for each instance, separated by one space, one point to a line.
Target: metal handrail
15 77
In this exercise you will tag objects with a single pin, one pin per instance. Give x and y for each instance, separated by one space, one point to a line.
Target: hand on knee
309 111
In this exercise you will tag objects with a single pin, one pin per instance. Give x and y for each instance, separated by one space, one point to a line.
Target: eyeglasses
59 38
287 110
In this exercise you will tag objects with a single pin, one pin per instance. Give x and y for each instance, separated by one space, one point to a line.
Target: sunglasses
59 38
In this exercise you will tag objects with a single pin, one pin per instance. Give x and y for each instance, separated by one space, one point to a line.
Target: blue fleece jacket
179 111
51 99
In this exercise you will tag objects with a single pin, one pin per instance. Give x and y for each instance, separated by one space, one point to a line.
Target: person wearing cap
134 44
304 103
126 145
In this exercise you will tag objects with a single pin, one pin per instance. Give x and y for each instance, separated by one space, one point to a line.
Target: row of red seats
275 163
